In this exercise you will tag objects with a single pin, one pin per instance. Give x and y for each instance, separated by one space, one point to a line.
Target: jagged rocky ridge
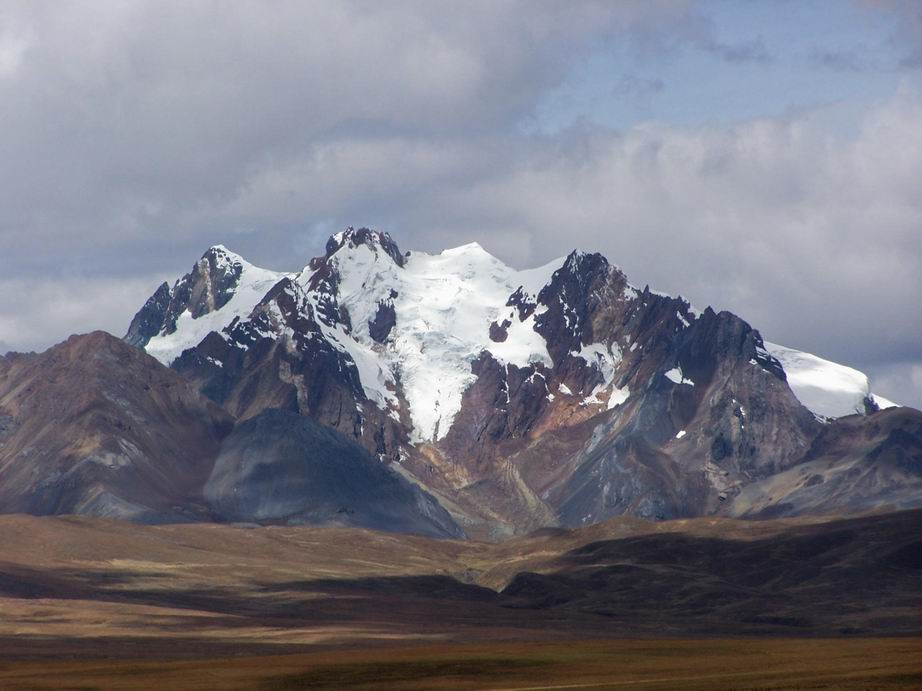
561 395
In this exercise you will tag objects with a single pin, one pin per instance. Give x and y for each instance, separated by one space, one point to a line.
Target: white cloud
36 312
13 47
128 113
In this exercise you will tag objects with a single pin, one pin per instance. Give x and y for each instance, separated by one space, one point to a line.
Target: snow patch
618 396
675 376
606 359
444 305
884 403
825 388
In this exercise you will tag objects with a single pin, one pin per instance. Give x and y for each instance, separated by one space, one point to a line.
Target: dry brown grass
89 603
628 664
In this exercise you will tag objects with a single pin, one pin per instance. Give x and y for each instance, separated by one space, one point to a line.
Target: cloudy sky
761 157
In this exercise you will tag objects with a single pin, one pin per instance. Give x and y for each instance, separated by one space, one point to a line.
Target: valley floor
708 664
703 603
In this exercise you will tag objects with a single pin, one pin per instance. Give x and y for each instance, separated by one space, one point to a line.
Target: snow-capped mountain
449 308
555 395
220 287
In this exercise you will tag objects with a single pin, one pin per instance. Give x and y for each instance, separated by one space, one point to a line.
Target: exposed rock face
284 467
855 464
715 413
151 319
211 283
735 415
208 287
94 426
280 358
216 279
555 396
384 321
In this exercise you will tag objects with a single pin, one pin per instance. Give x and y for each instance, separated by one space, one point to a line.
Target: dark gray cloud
748 51
908 29
137 134
902 380
839 60
638 87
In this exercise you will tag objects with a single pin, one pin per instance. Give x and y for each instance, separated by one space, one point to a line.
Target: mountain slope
854 465
561 395
844 577
282 467
96 427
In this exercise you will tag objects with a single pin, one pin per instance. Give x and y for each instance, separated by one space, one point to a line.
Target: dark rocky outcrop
206 288
149 321
384 321
248 369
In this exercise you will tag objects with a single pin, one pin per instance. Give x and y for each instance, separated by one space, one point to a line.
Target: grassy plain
624 664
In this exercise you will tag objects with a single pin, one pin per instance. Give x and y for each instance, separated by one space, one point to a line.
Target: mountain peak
578 259
468 247
214 281
93 342
221 257
376 240
471 249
